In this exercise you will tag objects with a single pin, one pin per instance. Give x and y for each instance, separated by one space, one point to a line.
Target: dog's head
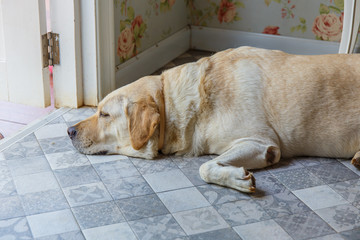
126 122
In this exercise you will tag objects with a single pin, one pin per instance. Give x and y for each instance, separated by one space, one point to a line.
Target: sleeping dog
250 106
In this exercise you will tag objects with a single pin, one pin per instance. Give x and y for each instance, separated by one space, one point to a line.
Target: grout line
8 121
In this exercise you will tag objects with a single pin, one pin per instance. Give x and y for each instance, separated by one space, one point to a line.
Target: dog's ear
143 118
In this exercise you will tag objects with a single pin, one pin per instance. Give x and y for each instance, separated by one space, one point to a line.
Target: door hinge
50 48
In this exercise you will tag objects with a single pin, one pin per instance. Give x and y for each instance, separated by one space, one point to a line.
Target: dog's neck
162 122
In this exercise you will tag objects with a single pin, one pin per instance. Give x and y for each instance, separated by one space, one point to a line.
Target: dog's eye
102 114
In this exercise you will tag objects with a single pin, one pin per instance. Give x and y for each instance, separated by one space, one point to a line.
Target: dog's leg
356 160
229 169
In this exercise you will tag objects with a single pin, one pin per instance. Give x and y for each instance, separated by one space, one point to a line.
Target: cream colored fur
249 106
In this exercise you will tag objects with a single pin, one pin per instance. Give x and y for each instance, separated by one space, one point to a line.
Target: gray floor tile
153 166
304 225
268 230
281 204
190 162
298 178
73 176
350 190
223 234
15 228
267 184
57 120
30 165
110 232
142 207
285 164
74 235
333 172
313 161
46 201
200 220
165 181
342 217
356 204
157 228
105 158
7 187
67 159
98 214
217 194
242 212
116 169
52 223
78 114
183 199
320 197
10 207
29 138
329 237
51 131
36 182
351 234
194 176
23 150
128 187
347 163
86 194
56 145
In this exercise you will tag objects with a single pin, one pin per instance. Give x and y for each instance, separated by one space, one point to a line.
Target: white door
23 79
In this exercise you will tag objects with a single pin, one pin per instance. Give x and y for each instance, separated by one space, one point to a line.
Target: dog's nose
72 132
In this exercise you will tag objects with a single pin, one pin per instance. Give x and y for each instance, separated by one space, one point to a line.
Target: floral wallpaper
141 24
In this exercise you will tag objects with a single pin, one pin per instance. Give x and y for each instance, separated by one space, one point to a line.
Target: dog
250 106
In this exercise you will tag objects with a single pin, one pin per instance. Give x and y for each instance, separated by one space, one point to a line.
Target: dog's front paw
228 176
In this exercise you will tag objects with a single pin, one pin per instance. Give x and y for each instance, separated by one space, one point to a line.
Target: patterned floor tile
183 199
142 207
110 232
298 178
351 234
116 169
15 228
36 182
285 164
356 204
304 225
78 114
223 234
332 172
200 220
216 194
268 230
157 228
242 212
319 197
68 177
281 204
342 217
153 166
128 187
105 158
29 138
57 120
98 214
329 237
46 201
165 181
74 235
23 150
30 165
7 187
86 194
267 184
350 190
51 131
55 145
190 162
67 159
10 207
313 161
194 176
51 223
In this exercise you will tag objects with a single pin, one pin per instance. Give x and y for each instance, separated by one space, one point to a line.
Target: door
23 80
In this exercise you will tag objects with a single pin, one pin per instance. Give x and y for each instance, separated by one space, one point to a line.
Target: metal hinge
50 47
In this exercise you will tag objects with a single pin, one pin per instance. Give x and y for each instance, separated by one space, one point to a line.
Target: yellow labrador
249 106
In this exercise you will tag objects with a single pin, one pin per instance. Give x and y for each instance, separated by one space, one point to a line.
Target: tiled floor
50 191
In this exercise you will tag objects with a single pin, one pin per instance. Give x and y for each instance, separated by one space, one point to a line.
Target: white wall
3 75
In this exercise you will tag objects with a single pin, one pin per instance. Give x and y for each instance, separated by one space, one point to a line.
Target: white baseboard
214 39
153 58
